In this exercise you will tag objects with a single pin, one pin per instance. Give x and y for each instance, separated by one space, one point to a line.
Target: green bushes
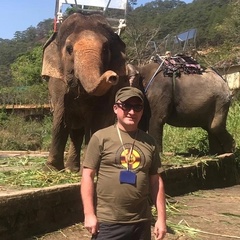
35 94
184 140
18 134
233 122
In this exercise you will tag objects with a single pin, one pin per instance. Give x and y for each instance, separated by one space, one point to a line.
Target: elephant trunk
105 82
89 65
93 82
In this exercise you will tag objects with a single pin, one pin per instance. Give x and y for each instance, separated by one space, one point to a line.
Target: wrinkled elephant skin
85 65
191 100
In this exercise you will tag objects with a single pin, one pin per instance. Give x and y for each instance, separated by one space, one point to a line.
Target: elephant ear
118 57
51 65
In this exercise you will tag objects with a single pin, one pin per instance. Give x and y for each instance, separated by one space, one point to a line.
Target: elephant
84 64
188 99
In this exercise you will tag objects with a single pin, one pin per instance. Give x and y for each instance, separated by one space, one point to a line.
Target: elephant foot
72 165
48 167
72 169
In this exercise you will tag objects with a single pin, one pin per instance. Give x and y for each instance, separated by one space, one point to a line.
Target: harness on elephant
178 64
162 67
174 66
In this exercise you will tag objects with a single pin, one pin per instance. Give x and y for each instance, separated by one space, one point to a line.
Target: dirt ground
212 214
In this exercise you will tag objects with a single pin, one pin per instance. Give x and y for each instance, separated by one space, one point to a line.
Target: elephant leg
214 145
228 143
73 160
156 131
220 140
60 133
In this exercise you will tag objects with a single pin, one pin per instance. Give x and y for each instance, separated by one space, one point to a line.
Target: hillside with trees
217 23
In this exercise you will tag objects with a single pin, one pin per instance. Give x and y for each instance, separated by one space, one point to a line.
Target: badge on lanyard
127 176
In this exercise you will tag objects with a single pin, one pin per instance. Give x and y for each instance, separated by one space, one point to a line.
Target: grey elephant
85 65
188 99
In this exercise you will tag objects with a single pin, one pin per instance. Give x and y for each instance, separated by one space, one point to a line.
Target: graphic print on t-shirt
133 161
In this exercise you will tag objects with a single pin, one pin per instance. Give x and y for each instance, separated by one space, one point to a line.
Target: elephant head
86 53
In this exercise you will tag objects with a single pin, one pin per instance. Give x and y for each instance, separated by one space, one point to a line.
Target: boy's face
129 112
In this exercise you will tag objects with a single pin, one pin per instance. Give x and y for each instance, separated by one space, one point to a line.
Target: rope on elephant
153 76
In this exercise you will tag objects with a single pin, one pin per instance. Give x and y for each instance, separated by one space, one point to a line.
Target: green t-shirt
122 202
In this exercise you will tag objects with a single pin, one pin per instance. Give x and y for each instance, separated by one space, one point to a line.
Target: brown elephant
183 99
85 65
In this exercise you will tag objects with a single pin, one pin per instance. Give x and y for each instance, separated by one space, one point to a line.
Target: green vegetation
26 69
17 134
31 94
26 172
216 21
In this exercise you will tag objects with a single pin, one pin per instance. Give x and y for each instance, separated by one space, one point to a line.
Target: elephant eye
105 47
69 49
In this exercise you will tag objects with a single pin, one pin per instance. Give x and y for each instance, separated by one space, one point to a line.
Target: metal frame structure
183 39
181 42
100 5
